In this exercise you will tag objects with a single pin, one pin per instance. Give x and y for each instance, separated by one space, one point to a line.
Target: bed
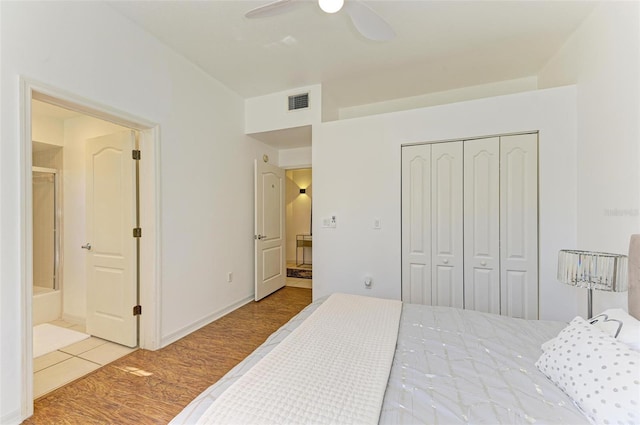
437 365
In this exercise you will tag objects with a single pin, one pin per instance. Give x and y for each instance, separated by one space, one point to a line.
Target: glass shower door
45 230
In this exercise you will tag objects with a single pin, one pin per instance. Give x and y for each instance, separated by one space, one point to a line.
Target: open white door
111 247
270 267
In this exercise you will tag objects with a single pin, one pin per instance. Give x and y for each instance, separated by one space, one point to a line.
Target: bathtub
47 305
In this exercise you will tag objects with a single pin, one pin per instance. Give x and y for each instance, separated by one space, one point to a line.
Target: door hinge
137 232
137 310
136 154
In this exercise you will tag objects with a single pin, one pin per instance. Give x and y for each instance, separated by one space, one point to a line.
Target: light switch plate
329 222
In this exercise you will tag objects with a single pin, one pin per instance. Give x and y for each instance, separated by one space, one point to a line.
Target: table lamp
593 270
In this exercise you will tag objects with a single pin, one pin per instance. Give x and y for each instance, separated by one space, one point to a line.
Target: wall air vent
298 101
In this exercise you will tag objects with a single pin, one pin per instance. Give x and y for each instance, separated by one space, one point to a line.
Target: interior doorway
299 220
54 141
81 200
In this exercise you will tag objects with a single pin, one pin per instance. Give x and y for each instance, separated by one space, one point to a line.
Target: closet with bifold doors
470 224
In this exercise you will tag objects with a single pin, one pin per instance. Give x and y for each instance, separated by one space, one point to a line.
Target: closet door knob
446 261
483 263
87 247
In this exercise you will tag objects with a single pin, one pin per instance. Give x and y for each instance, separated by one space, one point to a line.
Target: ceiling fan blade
368 22
270 9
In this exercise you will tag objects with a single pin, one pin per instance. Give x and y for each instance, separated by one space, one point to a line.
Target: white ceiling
440 45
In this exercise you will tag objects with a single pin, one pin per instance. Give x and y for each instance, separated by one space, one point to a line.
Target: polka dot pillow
620 325
600 374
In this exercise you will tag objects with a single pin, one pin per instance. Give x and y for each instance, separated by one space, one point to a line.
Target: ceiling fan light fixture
330 6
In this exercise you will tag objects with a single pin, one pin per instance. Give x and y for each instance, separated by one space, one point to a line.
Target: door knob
446 261
260 237
87 247
483 263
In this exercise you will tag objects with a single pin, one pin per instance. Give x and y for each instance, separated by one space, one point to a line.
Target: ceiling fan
364 19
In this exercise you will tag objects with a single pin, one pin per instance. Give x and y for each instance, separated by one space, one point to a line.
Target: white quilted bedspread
333 368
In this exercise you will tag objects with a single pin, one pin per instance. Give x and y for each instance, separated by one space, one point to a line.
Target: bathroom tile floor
67 364
299 283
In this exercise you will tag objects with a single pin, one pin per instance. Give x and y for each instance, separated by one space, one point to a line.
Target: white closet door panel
482 225
446 288
516 294
416 224
419 281
447 222
483 294
519 225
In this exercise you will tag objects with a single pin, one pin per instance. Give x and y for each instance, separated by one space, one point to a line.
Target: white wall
295 158
206 161
461 94
603 58
356 175
590 199
270 112
48 130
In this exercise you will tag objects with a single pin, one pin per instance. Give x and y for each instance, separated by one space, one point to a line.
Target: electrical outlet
230 277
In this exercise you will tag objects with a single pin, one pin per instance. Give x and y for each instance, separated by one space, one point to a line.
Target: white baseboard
174 336
12 418
76 320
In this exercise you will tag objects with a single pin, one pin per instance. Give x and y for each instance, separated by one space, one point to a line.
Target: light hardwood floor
151 387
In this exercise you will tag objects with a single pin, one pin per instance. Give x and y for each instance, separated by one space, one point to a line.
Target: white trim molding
150 288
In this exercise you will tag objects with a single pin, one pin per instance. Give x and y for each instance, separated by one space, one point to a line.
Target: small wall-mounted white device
368 281
329 222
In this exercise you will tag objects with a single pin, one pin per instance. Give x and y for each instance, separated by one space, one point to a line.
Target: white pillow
616 323
548 344
599 373
620 325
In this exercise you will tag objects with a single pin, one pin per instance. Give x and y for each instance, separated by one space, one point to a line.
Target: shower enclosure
46 230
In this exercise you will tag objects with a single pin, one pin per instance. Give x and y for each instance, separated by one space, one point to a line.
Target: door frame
150 244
